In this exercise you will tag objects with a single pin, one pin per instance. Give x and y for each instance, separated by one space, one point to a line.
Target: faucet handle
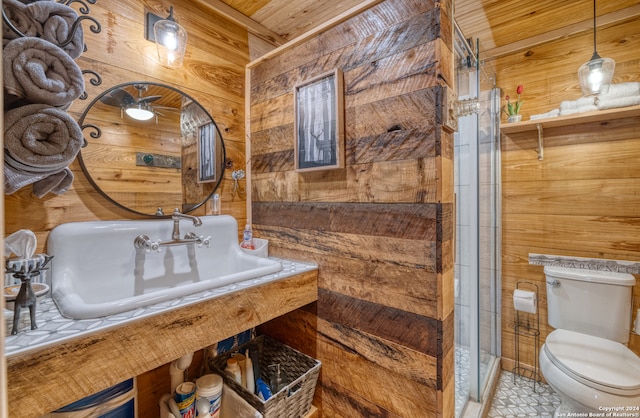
143 242
153 246
204 241
200 240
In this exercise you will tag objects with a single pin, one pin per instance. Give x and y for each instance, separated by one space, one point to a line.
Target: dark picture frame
319 122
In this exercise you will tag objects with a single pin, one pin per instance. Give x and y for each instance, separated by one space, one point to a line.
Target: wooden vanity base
47 379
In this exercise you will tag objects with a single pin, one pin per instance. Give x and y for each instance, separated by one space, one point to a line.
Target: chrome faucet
176 216
143 242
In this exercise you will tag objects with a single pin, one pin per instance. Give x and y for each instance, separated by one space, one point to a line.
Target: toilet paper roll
524 301
636 327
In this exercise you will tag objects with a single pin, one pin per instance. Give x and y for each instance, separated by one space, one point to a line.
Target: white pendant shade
171 41
595 76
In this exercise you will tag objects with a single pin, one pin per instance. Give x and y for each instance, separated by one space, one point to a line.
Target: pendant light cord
594 27
595 55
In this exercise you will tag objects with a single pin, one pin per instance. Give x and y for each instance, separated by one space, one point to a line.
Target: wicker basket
294 400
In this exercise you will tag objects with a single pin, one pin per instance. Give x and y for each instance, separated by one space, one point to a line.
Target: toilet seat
596 362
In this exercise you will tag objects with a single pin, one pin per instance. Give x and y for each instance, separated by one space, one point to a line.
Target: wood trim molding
247 144
585 25
245 21
316 31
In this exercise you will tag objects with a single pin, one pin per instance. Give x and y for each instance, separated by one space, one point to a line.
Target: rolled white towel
550 114
629 89
586 101
580 103
614 102
579 109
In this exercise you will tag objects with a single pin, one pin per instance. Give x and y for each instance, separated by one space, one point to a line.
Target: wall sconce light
169 36
595 76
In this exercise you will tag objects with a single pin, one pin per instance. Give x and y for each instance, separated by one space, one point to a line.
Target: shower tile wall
466 221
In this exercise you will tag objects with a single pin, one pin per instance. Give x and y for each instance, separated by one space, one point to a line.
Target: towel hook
237 175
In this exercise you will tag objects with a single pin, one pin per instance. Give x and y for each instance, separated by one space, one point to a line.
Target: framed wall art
207 153
319 122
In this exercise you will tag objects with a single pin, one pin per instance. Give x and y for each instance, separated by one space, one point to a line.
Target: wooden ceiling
506 26
291 18
503 26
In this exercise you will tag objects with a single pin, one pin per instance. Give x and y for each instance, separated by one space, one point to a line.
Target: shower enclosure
477 266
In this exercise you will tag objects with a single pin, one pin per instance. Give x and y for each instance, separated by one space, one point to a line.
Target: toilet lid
596 362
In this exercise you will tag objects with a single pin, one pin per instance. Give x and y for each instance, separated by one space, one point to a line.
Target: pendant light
169 36
595 76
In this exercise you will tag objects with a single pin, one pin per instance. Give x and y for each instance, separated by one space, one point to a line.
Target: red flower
513 108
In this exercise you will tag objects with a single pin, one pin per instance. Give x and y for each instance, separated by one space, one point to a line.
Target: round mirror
151 146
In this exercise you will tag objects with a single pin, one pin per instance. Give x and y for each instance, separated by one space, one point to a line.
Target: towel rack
84 9
95 80
527 325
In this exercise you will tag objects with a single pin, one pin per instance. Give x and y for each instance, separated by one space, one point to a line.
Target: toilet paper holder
527 324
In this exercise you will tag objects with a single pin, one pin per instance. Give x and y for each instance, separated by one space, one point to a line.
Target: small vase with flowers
512 109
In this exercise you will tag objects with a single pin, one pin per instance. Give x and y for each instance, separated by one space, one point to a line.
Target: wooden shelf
559 121
575 119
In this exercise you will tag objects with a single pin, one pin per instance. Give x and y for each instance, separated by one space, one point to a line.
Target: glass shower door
477 189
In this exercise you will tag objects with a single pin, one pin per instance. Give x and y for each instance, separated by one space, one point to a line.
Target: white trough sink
97 271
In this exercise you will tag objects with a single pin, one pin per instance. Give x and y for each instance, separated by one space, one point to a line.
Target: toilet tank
591 302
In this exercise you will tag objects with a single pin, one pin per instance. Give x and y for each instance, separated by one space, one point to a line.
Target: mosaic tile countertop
53 328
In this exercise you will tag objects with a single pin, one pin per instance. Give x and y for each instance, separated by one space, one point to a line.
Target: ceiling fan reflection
140 107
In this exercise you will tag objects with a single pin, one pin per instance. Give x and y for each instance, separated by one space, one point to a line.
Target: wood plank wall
213 74
582 199
381 229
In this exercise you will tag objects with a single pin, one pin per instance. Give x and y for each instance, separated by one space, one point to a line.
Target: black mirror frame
97 133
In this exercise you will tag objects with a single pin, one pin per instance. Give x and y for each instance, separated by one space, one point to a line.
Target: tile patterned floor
514 396
461 377
520 400
463 364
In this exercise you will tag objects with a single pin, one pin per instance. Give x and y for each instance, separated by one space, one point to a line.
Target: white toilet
584 359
